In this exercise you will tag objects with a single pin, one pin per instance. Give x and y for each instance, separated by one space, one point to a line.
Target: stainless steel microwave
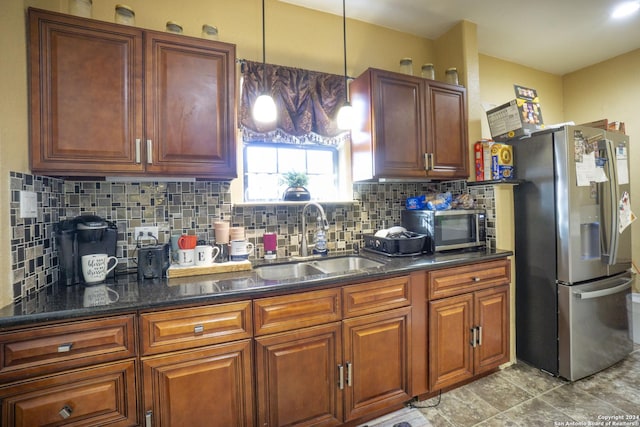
449 229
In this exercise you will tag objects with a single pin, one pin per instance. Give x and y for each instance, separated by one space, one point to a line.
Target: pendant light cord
264 53
344 41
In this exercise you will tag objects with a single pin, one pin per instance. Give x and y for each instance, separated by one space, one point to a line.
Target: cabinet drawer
283 313
46 349
376 296
194 327
102 395
468 278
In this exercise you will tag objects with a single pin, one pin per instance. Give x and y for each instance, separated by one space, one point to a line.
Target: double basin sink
294 270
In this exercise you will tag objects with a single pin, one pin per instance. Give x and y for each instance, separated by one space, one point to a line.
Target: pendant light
345 115
264 108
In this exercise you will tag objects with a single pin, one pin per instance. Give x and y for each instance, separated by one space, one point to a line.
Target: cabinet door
450 322
447 141
101 395
86 95
297 377
190 106
492 319
210 386
399 120
376 354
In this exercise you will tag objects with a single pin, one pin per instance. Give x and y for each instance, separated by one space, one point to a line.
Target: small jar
451 76
174 27
125 15
209 32
406 66
80 8
428 72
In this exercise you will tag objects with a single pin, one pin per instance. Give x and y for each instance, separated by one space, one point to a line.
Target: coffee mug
205 254
240 250
98 295
187 241
186 257
95 267
241 247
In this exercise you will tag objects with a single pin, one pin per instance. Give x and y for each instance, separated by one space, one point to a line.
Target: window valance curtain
307 103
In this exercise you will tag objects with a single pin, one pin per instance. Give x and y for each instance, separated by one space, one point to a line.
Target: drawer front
103 395
194 327
376 296
457 280
46 349
287 312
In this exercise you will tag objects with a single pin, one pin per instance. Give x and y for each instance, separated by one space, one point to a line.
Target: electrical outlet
145 233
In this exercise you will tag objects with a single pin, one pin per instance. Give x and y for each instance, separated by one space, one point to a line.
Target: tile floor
521 395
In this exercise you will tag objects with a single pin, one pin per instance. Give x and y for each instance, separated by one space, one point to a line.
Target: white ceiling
556 36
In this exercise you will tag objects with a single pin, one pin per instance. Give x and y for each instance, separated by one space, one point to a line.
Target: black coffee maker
83 235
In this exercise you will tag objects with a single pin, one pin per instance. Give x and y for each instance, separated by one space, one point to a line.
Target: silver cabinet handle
65 412
476 279
479 328
63 348
137 150
473 337
428 161
147 419
349 373
341 377
149 152
198 329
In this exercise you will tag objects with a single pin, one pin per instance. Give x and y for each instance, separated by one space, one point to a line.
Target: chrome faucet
304 247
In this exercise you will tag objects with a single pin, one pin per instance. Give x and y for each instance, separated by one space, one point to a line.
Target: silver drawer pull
63 348
198 329
476 279
65 412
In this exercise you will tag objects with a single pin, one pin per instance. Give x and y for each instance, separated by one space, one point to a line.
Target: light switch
28 204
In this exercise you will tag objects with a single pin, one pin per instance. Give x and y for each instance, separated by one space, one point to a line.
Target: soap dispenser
321 239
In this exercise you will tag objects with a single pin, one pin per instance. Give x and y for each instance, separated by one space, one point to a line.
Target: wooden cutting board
224 267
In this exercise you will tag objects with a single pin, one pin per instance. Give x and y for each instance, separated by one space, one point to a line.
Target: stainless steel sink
299 269
286 271
347 263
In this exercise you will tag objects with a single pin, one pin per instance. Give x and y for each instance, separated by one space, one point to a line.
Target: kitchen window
264 164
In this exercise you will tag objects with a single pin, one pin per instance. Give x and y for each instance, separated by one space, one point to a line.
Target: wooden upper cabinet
93 85
408 127
86 95
190 106
447 139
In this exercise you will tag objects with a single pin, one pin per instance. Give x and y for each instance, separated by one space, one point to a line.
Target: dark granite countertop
57 303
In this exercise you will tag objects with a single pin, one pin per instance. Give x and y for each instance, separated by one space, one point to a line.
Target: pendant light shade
345 114
264 108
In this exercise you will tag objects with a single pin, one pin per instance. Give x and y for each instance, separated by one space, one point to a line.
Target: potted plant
296 190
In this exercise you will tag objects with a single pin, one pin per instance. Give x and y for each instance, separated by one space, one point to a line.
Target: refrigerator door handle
604 292
610 254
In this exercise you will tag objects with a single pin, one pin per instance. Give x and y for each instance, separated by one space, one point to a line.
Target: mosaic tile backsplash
191 208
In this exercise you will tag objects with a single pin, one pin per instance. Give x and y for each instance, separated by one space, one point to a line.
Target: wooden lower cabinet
210 386
376 354
468 335
298 377
330 374
97 396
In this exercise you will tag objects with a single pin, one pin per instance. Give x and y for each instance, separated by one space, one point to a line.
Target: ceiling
556 36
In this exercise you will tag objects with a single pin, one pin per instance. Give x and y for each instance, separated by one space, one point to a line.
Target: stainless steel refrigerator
573 250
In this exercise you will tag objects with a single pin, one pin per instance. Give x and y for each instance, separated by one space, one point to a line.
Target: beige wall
497 78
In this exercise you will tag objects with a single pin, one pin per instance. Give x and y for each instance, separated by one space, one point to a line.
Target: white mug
95 267
186 257
240 249
206 254
98 295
